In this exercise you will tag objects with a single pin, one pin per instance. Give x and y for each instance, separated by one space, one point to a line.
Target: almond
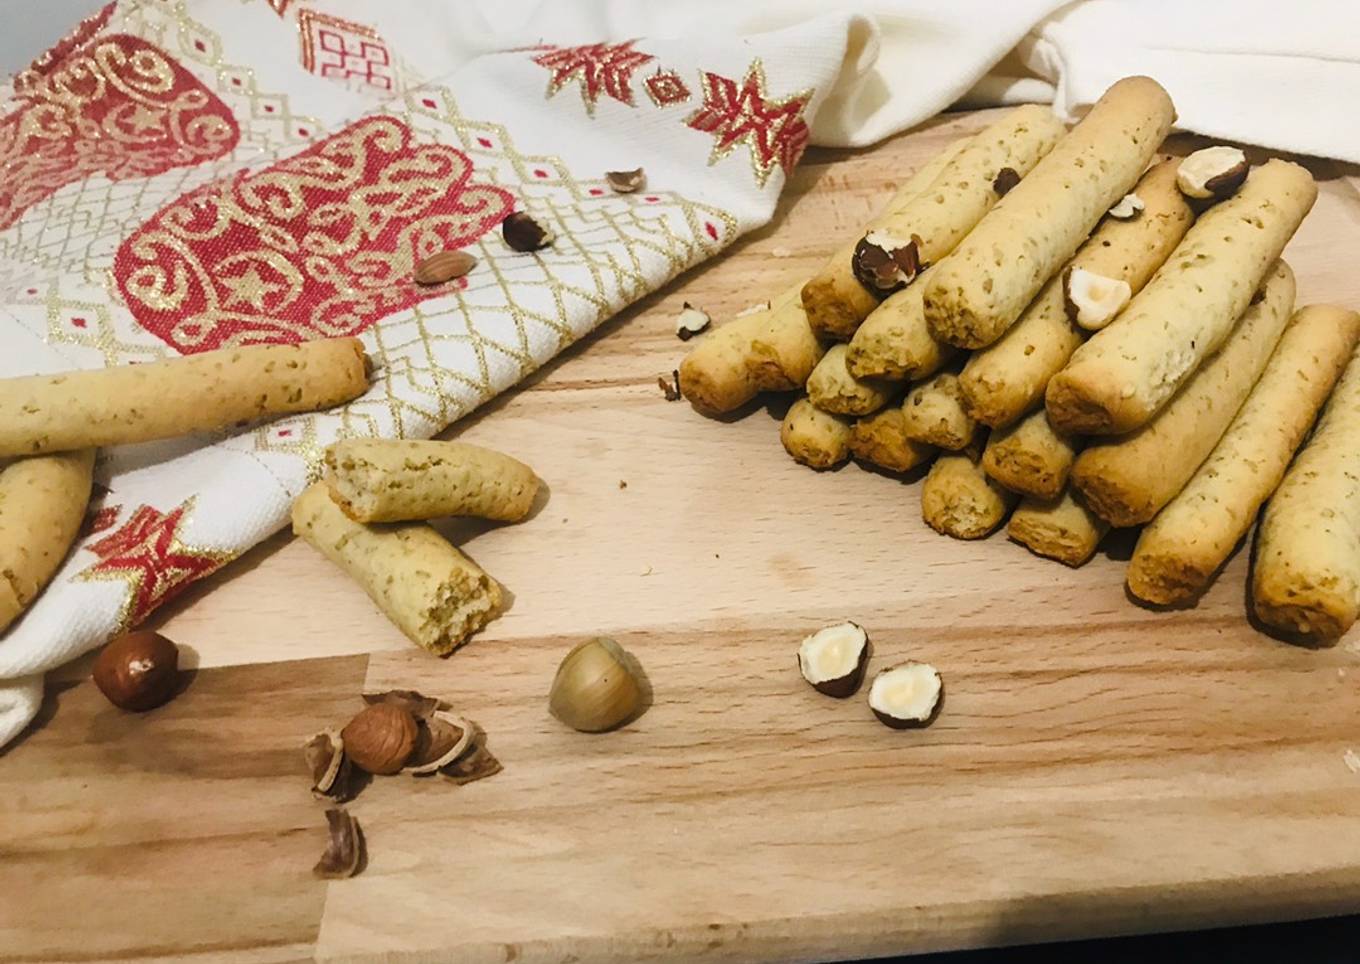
444 266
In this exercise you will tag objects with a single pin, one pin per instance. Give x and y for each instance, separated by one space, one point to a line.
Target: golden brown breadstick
1029 457
813 437
1120 378
1062 528
1126 480
1007 378
937 219
881 439
832 388
399 480
140 403
981 289
894 341
933 414
959 500
1306 573
42 502
431 591
1179 552
775 350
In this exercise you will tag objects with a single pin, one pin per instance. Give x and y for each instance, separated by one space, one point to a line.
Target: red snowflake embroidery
147 554
774 129
666 88
599 69
102 520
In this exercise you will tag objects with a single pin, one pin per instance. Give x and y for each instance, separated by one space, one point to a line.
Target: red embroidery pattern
774 129
79 35
340 50
147 554
597 68
102 520
119 107
317 246
666 88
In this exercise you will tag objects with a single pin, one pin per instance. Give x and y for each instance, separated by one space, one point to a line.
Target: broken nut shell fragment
522 233
1214 172
691 322
626 182
332 772
344 848
833 660
1128 208
883 263
907 696
441 739
1092 300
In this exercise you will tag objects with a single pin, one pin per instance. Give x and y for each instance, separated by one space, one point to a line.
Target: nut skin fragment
138 671
444 266
817 439
344 848
918 720
419 705
832 388
1212 173
381 738
848 683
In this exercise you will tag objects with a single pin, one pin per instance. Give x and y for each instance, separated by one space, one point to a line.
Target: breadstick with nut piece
1126 480
1007 378
1179 552
400 480
206 392
894 341
813 437
881 439
431 591
896 245
933 414
832 388
42 503
1062 528
959 500
1029 457
981 289
774 350
1124 375
1305 578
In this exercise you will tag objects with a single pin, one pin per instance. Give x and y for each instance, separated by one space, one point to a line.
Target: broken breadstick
1062 528
881 439
206 392
813 437
927 228
1124 375
894 341
981 289
1126 480
1029 457
774 349
832 388
959 500
399 480
42 502
431 591
933 414
1007 378
1306 575
1179 552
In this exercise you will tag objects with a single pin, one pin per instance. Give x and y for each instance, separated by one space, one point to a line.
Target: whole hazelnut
596 688
138 671
381 738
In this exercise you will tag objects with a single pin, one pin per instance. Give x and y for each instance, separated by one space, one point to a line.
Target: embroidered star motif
141 119
774 129
147 554
248 288
598 69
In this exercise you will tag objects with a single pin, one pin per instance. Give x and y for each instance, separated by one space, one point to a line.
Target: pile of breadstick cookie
1081 335
51 425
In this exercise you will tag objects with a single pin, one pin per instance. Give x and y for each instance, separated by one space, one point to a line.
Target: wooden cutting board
1099 768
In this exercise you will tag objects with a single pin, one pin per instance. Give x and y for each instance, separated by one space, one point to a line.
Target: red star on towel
774 129
600 68
147 554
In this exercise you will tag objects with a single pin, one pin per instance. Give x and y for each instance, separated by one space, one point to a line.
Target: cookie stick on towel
774 349
207 392
1126 480
42 502
817 439
1120 378
936 220
981 289
1181 550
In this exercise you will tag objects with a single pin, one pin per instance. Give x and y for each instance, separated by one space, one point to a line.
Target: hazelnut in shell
138 671
381 738
596 688
833 659
907 696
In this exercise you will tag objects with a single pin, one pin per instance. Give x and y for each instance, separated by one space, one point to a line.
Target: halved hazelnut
626 182
691 322
332 772
833 659
1128 208
1214 172
1092 300
907 696
1006 178
442 739
883 263
344 847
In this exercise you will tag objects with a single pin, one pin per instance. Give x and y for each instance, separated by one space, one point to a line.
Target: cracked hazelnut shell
381 738
138 671
344 847
833 659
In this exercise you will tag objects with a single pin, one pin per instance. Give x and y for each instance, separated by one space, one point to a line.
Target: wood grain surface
1098 768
